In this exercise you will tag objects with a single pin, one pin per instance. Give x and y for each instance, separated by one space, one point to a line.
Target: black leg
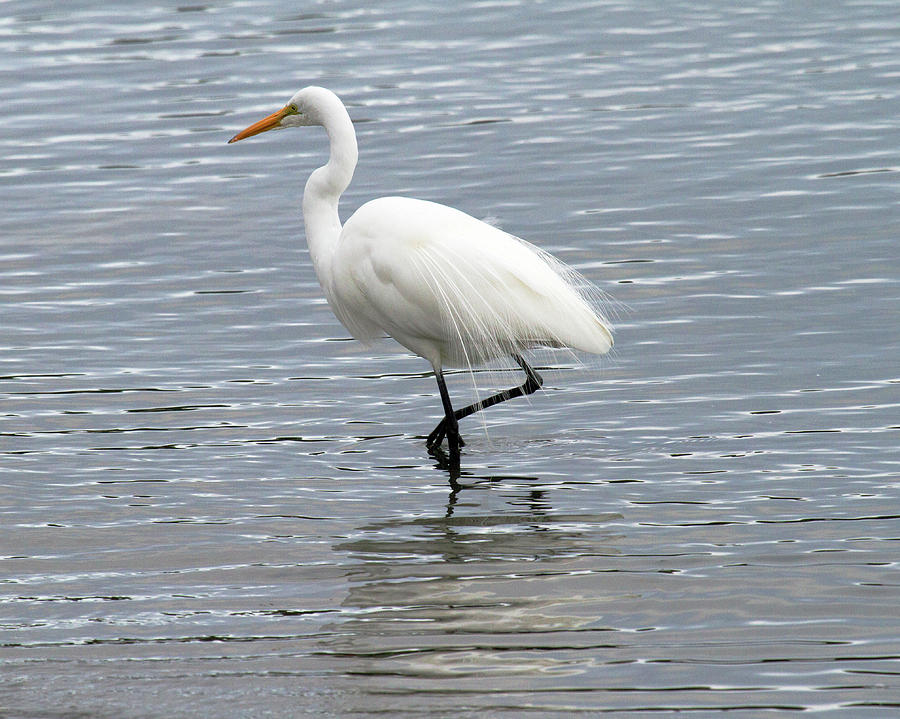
449 423
533 382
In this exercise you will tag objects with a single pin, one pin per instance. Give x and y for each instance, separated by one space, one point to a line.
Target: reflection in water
451 465
458 594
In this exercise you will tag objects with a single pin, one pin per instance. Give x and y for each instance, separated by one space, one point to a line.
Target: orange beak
267 123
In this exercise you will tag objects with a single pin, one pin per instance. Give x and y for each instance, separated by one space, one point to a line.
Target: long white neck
324 188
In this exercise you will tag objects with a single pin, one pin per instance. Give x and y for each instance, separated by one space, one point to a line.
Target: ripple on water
203 479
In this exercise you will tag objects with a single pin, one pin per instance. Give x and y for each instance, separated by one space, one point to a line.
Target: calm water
214 502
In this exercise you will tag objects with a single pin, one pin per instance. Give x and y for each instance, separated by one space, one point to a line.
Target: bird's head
306 107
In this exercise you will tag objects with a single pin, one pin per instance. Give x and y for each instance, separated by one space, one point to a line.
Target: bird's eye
294 109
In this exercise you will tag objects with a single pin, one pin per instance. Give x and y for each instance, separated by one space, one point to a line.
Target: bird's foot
438 433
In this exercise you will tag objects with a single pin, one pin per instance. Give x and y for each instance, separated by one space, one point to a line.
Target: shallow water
213 500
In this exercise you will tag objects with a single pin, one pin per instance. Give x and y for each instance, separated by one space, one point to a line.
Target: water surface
213 500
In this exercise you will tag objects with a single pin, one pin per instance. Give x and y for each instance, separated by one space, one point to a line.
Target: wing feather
428 274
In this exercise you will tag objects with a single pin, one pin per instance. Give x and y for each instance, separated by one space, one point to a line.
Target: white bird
448 287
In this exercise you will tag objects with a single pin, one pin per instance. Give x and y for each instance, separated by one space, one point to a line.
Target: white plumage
450 288
454 289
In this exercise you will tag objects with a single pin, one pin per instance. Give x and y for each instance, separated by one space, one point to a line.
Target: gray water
216 504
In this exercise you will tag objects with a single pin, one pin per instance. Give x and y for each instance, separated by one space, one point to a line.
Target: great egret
450 288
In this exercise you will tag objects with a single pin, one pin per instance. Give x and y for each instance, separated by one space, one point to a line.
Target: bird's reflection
420 585
450 465
459 480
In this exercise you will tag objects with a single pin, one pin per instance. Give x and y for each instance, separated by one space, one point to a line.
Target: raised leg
533 382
